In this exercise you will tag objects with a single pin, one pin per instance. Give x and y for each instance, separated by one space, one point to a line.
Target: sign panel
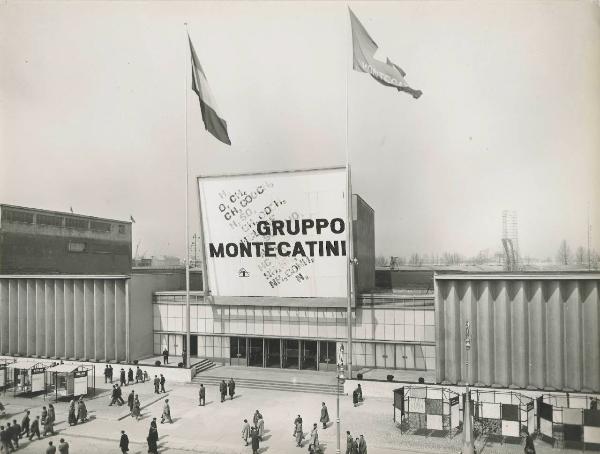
37 380
278 234
80 384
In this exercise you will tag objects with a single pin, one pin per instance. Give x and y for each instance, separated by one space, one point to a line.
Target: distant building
34 241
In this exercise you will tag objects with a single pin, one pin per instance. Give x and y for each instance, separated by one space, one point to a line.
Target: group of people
159 384
126 378
11 434
224 387
77 415
133 401
255 433
355 446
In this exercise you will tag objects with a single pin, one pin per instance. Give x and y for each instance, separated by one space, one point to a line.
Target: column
120 320
13 314
4 310
468 312
502 336
109 319
26 315
573 336
59 318
537 335
519 340
49 316
555 336
99 331
88 317
591 337
485 335
453 334
35 325
69 291
78 320
440 331
40 310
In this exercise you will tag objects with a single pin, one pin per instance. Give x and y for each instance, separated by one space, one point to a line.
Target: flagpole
350 261
187 228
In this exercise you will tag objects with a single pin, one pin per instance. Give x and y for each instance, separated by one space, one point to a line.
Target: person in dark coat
362 445
162 383
529 446
16 433
130 376
202 395
349 442
255 440
124 442
156 384
35 428
152 440
223 390
324 415
72 418
355 447
81 410
44 415
139 375
122 377
355 397
63 447
5 445
359 392
110 373
166 356
25 424
106 374
51 449
131 400
231 387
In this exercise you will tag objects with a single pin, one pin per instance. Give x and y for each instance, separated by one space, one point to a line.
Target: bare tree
563 256
594 260
452 258
381 260
415 260
580 255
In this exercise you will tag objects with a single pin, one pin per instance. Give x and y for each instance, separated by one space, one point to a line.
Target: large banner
277 234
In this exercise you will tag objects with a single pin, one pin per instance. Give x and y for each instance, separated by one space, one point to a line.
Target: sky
93 100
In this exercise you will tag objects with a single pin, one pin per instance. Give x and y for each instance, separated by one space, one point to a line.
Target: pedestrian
25 424
122 377
51 413
44 415
256 417
120 395
156 384
162 383
359 390
110 373
255 441
231 387
35 428
130 400
298 431
166 413
4 440
106 374
16 433
529 446
137 409
8 433
313 444
2 410
48 426
63 447
113 396
355 397
349 442
139 376
51 449
130 376
154 425
152 441
355 447
362 445
223 390
81 410
324 415
166 356
261 427
202 395
72 414
245 431
124 442
146 376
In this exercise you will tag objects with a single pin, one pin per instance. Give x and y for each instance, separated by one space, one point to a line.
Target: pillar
573 336
49 316
537 335
88 317
70 328
78 320
35 326
468 312
26 316
99 331
555 336
453 334
440 331
13 316
109 319
591 337
519 340
4 310
485 335
59 318
502 336
120 350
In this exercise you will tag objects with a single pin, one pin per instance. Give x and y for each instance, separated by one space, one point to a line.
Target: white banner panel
37 382
511 428
277 234
455 416
434 422
416 405
80 386
591 434
546 427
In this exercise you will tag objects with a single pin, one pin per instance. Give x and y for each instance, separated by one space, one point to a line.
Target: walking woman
72 414
298 431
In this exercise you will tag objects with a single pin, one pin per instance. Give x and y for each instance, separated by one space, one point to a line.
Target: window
100 226
74 223
76 246
121 229
17 216
47 219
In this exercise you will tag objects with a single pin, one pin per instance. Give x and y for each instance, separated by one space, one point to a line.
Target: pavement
216 428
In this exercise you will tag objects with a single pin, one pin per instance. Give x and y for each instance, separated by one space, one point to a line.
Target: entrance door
255 354
290 353
237 351
385 356
193 345
309 355
405 356
273 352
328 356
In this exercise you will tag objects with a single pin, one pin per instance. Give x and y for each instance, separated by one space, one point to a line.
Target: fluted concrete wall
527 331
80 318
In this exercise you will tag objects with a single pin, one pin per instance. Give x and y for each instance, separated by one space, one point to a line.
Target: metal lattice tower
510 240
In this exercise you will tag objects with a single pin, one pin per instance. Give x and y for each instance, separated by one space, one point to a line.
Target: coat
260 425
202 392
81 411
362 446
231 386
246 431
63 448
256 417
314 439
51 450
124 443
152 439
223 388
354 447
324 415
298 432
355 397
255 440
166 410
51 414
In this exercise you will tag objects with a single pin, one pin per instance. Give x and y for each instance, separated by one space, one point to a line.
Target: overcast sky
92 113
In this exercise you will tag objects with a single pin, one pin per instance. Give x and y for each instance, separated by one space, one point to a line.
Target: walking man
202 395
106 374
231 386
349 441
162 383
51 449
245 431
362 445
166 414
313 444
63 447
156 384
130 376
110 373
255 441
139 376
130 400
166 356
124 442
25 424
16 433
223 390
324 415
122 377
119 395
35 428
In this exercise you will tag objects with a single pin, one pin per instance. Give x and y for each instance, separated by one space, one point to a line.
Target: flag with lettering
364 49
213 122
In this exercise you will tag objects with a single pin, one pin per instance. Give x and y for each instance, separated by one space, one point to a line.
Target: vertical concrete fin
519 338
591 337
537 335
50 317
5 311
555 335
59 320
440 332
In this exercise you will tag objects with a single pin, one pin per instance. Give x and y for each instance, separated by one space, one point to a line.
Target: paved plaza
216 428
